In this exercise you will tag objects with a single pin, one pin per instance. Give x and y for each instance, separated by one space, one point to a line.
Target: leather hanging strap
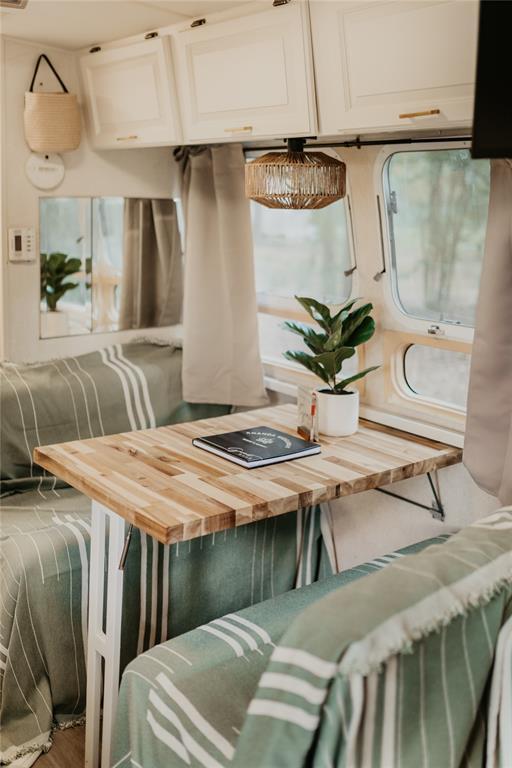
45 57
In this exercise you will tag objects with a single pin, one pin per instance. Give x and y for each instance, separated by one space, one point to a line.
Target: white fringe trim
398 633
75 723
41 743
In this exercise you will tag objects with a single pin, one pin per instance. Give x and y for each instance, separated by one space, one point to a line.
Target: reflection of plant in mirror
55 268
341 334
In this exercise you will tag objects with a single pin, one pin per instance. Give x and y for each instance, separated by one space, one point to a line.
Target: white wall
370 523
135 173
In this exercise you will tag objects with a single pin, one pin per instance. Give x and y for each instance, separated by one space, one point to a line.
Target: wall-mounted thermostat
22 244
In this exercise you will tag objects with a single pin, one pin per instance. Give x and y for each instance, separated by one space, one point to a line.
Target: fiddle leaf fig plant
55 269
339 335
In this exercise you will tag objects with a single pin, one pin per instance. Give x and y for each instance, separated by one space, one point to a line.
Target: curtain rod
367 143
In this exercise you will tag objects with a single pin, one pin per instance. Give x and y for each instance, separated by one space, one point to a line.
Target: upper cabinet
247 77
393 65
363 65
130 96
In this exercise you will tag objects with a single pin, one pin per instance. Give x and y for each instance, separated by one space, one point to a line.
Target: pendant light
295 179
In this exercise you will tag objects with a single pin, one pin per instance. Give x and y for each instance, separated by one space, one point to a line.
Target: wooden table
158 481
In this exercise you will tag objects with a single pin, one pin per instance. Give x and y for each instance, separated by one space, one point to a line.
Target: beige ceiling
78 23
195 7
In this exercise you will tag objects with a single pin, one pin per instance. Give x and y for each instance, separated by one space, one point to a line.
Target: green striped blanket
402 679
44 538
116 389
183 703
44 557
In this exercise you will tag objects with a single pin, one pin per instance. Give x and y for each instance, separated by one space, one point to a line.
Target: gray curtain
488 442
152 284
221 359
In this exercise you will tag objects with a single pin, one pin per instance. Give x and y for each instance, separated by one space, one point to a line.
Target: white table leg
103 643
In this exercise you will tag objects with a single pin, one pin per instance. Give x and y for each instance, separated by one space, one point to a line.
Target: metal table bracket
126 547
436 509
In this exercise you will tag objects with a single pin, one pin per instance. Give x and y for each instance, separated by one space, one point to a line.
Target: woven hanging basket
295 180
52 120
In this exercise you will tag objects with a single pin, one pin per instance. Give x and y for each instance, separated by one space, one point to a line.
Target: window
81 243
436 203
276 339
302 253
439 375
107 231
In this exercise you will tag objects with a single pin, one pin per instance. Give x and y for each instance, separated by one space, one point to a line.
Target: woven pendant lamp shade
295 179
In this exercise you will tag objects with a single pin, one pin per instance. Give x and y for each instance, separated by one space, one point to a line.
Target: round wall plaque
44 171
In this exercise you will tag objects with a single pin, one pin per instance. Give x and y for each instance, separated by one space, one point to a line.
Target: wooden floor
67 750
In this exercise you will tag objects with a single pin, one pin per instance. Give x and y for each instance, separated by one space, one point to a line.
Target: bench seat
194 690
44 561
45 538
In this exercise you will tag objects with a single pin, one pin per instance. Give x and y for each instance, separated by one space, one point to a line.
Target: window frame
452 407
433 328
390 400
397 390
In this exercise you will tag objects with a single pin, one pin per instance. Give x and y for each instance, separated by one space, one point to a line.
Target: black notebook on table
257 446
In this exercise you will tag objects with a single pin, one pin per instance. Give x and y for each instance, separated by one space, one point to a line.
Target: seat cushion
184 701
43 615
413 674
44 561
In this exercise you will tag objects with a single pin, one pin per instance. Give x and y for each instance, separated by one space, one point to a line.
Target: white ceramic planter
338 415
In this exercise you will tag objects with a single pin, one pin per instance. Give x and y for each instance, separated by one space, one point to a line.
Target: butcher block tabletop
173 491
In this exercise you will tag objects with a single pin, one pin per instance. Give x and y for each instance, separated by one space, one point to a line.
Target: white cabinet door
379 63
130 96
247 77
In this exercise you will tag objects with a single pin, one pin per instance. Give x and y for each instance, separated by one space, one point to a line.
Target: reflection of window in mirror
108 263
65 244
107 245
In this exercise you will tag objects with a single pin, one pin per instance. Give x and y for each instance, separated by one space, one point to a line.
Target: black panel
492 122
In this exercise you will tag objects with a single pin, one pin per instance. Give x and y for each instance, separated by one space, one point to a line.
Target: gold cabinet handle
239 129
425 113
127 138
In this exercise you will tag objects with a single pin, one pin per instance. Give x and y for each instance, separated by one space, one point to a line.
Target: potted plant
341 333
55 269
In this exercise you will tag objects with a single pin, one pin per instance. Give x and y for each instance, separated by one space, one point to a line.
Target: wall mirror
108 264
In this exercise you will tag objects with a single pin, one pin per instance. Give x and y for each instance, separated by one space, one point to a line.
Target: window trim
403 320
